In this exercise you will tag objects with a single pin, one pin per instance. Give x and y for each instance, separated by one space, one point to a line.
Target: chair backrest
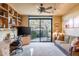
19 42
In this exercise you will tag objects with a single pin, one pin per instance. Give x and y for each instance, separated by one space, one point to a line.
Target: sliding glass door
40 29
45 30
35 30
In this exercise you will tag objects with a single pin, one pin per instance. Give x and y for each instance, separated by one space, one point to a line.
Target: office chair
16 46
22 31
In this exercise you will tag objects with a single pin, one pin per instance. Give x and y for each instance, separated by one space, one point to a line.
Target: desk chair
16 46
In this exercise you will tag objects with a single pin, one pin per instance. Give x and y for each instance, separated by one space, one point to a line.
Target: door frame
40 25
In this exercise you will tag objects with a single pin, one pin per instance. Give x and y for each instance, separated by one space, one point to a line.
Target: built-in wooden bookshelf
9 17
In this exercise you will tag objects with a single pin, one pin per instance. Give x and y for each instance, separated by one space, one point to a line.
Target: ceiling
32 8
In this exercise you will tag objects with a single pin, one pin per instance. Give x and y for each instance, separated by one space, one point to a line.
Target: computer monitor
24 31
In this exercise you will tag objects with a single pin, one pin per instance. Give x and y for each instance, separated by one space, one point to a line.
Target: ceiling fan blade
47 12
49 8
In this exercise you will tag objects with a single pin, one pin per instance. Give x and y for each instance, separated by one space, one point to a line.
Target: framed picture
69 23
76 21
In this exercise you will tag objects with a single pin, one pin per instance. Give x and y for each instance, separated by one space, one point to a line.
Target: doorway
41 28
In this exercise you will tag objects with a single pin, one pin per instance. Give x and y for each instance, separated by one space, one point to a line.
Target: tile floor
41 49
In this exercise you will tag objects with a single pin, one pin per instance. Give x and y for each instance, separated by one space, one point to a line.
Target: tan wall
73 12
25 40
57 23
25 20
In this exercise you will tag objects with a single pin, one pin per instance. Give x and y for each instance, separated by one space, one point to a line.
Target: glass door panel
45 30
35 30
40 29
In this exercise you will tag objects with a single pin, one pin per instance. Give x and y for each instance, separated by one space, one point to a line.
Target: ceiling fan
44 9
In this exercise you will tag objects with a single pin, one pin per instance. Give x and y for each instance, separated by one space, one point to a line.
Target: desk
5 45
26 40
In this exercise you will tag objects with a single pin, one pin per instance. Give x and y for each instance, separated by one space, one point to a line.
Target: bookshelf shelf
9 16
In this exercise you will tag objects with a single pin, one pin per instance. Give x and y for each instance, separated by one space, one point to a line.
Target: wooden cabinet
8 16
3 15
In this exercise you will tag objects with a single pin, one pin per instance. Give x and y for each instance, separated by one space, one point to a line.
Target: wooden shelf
8 13
3 17
12 16
19 18
19 21
3 8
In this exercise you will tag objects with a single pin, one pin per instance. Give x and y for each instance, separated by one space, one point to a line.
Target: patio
42 39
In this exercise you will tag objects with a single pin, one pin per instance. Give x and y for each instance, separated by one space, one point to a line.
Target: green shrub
33 34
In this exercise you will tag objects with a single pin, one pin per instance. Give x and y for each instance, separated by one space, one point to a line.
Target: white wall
71 15
72 32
